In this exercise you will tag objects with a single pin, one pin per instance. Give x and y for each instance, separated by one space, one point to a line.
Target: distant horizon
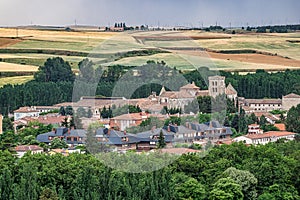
155 13
128 25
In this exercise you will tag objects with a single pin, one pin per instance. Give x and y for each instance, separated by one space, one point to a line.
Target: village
112 134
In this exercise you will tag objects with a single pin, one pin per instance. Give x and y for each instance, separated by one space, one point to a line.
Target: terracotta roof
230 90
179 150
24 148
292 95
25 110
51 119
167 94
281 127
228 141
190 86
130 116
270 134
202 93
181 95
64 104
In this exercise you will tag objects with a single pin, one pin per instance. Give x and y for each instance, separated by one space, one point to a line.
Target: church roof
190 86
230 90
182 95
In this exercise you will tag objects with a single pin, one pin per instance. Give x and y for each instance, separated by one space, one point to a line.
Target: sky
192 13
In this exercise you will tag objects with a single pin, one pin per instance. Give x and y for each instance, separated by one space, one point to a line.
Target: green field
15 80
267 43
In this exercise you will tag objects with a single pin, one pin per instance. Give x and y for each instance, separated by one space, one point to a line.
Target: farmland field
267 51
15 80
10 67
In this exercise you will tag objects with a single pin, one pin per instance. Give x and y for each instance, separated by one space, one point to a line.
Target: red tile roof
190 86
281 127
179 150
24 148
131 116
230 90
270 134
25 110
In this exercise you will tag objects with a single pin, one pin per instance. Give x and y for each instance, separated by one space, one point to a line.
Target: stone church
187 93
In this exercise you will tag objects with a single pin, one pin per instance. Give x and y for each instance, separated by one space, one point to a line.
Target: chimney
1 118
169 130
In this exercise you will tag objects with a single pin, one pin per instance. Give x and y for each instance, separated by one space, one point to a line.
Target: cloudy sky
151 12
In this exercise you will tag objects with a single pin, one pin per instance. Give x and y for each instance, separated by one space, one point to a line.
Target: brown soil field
5 42
257 58
250 58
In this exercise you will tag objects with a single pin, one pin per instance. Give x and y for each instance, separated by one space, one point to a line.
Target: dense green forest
227 172
54 83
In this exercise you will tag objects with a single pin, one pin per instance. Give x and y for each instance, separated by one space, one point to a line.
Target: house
271 136
212 130
124 121
22 149
73 137
149 139
53 119
26 112
182 134
269 116
114 140
33 111
254 129
122 141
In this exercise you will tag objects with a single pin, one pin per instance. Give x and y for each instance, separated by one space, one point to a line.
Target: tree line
54 83
226 172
